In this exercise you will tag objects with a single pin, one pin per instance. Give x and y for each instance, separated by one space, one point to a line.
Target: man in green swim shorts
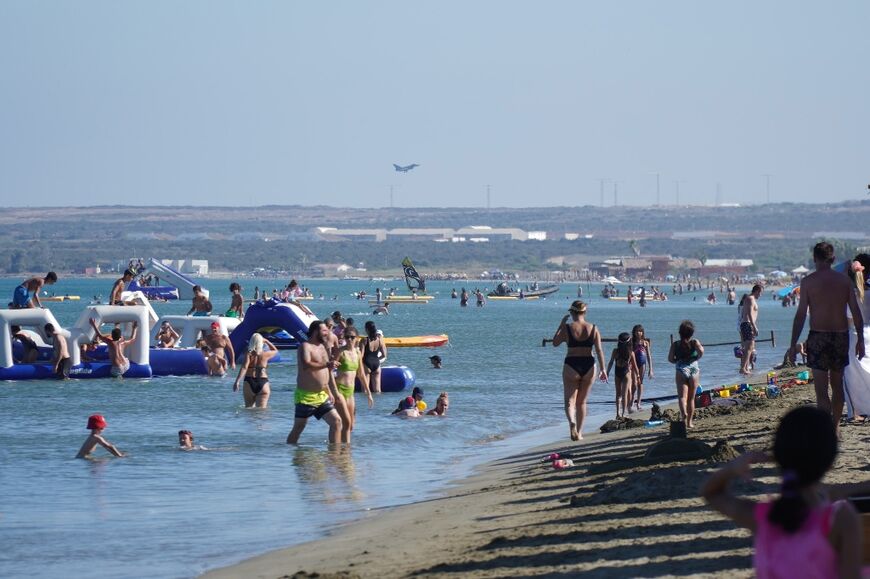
313 395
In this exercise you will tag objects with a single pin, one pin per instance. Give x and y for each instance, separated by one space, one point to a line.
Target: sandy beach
615 514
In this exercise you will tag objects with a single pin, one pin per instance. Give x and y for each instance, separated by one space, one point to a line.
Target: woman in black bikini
625 375
578 371
374 353
256 391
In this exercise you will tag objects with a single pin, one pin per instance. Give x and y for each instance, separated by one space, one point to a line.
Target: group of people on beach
828 293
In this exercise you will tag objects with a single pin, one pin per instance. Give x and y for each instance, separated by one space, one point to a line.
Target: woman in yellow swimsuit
349 369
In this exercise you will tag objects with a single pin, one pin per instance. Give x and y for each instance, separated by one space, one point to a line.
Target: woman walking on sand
685 354
578 370
625 375
642 348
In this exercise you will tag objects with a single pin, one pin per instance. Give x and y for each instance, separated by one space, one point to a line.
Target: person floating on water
26 295
96 424
802 532
436 361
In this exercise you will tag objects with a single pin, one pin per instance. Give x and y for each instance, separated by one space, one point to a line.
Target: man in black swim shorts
826 294
315 389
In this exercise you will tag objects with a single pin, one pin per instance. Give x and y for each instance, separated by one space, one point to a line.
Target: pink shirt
806 553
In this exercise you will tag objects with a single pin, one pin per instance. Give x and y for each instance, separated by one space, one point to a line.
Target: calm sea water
165 513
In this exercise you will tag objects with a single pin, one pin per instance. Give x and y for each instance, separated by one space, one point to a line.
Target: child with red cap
96 424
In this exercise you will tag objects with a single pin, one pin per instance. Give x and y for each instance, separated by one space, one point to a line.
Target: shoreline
615 513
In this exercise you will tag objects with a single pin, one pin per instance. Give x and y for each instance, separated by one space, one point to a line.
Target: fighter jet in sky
406 168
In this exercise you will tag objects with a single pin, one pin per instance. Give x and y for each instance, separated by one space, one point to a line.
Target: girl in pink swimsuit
800 533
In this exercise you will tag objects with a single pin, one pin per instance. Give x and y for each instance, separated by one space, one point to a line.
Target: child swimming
801 533
96 424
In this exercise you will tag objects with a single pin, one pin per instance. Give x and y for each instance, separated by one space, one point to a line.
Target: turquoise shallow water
165 513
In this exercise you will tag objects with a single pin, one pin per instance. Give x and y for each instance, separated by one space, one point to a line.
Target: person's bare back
826 293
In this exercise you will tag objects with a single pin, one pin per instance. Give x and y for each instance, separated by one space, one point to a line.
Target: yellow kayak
417 341
60 298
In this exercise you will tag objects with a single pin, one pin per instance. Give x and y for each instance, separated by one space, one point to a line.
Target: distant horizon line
455 208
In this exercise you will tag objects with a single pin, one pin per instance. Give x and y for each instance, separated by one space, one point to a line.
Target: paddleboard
512 298
59 298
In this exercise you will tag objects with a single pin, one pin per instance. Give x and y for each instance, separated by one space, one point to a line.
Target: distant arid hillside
283 237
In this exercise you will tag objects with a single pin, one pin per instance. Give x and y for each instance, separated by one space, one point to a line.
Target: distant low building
725 266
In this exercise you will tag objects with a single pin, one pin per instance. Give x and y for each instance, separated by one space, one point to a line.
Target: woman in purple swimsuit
578 371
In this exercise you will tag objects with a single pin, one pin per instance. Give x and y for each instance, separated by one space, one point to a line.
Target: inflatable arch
190 328
292 317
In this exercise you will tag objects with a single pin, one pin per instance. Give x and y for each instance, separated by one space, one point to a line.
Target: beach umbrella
778 273
669 277
800 269
757 276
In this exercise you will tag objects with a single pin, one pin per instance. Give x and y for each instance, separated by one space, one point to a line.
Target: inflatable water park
284 323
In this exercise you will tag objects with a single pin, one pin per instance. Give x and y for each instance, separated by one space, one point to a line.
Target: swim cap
96 421
409 403
215 326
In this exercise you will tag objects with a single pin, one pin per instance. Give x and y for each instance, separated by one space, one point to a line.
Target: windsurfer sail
412 278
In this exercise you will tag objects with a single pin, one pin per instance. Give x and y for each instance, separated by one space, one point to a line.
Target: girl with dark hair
374 353
625 374
642 349
856 376
800 533
685 354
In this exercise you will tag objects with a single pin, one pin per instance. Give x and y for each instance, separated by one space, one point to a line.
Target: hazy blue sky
229 103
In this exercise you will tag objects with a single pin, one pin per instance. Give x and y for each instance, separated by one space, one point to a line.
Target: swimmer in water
441 405
96 424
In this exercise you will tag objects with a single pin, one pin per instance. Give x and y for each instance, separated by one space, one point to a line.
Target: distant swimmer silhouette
406 168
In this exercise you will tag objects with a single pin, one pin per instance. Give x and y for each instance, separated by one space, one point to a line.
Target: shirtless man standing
219 345
749 327
120 285
314 395
26 295
61 361
200 305
116 344
826 294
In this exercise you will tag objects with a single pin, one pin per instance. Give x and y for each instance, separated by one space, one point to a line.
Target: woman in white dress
856 376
